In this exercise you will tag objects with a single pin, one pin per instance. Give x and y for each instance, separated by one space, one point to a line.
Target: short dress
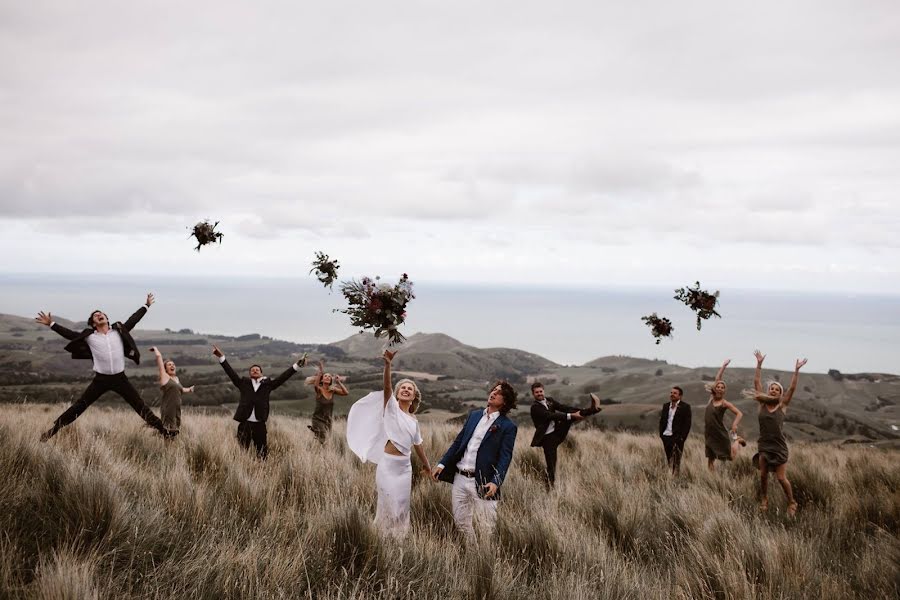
772 445
170 404
718 441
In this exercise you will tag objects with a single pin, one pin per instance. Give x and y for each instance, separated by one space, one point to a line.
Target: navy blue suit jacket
494 455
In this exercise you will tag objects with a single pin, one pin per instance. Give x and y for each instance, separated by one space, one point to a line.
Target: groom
477 461
253 408
107 345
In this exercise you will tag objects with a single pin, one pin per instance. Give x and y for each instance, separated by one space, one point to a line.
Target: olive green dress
772 444
321 419
718 442
170 404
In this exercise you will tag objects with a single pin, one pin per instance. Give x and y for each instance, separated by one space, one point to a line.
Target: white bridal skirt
393 479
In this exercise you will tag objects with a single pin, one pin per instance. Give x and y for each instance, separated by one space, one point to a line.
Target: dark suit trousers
674 449
250 430
101 384
550 443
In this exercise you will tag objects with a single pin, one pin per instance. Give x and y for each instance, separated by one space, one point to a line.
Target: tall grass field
108 509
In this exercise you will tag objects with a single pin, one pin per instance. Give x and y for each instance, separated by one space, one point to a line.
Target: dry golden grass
109 510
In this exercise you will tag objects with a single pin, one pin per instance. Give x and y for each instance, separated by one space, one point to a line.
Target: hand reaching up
799 364
218 353
760 357
44 318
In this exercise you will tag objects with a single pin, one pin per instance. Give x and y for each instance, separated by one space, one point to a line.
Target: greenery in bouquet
326 270
377 306
206 234
700 301
660 327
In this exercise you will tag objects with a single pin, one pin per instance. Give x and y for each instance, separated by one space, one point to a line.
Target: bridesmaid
381 429
720 444
326 386
170 402
773 449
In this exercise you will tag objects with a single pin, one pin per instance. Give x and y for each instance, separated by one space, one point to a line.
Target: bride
381 429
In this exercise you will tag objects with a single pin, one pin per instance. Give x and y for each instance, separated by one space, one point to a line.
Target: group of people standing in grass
382 427
723 444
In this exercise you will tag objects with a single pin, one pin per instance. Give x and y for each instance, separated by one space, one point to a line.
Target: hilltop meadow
107 509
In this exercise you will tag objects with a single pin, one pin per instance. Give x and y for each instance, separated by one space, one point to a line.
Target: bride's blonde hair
417 399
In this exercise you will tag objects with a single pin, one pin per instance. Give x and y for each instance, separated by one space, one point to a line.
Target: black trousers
551 442
250 430
101 384
674 449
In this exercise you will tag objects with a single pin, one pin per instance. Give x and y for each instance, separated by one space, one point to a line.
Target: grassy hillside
109 510
830 407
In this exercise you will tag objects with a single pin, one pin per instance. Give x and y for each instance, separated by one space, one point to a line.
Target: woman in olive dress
326 387
172 390
721 444
772 446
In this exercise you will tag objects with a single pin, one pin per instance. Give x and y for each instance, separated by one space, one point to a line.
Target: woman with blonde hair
381 429
720 443
326 386
172 390
772 447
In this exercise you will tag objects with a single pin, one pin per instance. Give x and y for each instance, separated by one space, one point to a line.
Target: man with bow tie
674 427
478 459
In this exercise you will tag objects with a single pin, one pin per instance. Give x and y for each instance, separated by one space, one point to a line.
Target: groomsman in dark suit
107 345
253 407
552 421
674 427
478 459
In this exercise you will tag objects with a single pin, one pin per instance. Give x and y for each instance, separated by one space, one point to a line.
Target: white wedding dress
370 425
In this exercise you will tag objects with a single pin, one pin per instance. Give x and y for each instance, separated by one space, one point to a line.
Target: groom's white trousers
470 511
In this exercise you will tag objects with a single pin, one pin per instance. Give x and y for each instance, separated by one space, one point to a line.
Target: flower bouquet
378 306
325 269
206 234
660 327
700 301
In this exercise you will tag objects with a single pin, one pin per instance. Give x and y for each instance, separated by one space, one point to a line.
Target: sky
537 143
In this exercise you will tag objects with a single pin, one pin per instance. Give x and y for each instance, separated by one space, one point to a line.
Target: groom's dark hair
536 385
91 318
510 397
257 366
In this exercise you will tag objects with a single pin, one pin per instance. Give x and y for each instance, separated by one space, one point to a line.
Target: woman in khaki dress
326 386
772 445
720 443
170 402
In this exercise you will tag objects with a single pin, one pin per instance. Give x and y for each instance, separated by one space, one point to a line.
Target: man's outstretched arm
47 319
138 314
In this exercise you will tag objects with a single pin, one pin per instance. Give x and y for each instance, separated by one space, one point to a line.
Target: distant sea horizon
569 325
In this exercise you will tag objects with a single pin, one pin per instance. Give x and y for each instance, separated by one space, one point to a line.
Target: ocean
569 325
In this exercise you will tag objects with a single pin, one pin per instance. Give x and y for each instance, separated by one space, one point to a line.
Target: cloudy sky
604 143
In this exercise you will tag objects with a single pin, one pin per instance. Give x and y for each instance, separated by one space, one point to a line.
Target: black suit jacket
542 417
255 401
78 345
681 422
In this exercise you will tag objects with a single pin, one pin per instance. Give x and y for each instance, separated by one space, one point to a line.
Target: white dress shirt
672 409
468 460
107 351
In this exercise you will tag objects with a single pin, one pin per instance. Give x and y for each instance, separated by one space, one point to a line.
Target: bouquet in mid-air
660 327
326 270
206 234
700 301
378 306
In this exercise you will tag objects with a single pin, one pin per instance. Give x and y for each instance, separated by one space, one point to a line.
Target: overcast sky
605 143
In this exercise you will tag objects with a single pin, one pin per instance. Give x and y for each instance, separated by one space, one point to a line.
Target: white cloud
473 130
